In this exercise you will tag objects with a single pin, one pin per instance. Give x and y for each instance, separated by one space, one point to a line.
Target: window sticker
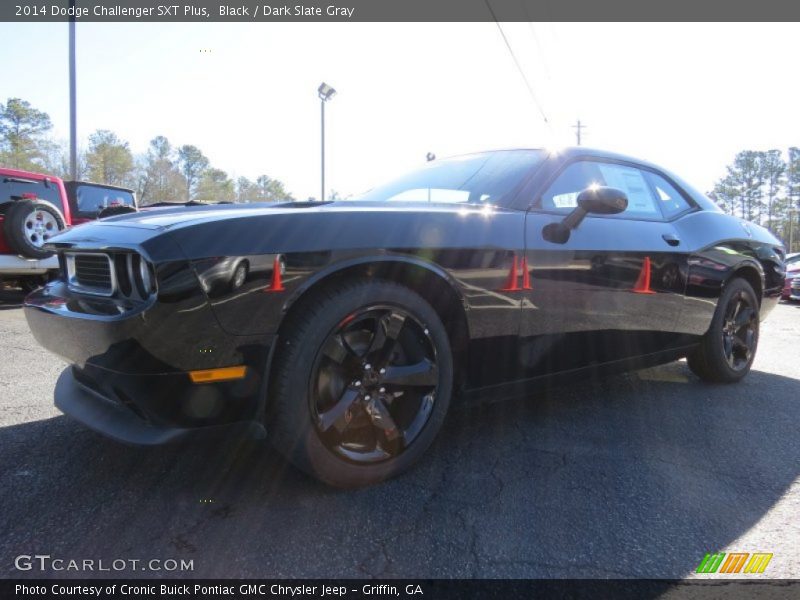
631 181
568 200
663 196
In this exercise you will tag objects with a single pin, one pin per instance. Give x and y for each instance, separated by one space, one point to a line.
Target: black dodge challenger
488 274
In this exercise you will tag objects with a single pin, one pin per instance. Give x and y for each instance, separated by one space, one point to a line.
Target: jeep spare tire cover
29 225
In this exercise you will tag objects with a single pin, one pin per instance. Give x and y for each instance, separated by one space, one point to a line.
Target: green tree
22 130
725 195
161 180
55 159
245 190
215 186
740 190
192 164
109 159
793 197
773 170
270 190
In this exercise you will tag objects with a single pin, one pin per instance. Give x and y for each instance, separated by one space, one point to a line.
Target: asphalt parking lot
633 476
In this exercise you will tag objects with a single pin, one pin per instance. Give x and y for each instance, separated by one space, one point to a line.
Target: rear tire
361 384
728 348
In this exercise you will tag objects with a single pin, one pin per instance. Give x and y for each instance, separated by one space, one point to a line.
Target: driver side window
562 195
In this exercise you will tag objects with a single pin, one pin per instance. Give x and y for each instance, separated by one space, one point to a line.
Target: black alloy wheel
361 383
374 384
740 331
727 350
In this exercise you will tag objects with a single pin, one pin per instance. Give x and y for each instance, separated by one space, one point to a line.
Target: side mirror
598 200
602 200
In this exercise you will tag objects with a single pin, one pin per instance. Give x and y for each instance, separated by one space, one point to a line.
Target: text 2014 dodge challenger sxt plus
486 274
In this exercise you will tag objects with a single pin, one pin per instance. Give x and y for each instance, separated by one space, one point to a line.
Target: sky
685 96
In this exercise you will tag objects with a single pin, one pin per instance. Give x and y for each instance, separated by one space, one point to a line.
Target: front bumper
794 290
130 365
12 264
124 422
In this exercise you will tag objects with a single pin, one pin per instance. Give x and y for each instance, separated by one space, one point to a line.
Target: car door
614 288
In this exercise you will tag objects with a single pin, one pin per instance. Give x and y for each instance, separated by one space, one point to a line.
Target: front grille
119 274
92 273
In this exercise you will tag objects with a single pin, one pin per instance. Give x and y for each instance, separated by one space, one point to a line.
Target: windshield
476 178
91 199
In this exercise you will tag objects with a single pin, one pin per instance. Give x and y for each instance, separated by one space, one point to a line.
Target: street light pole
73 117
322 145
325 93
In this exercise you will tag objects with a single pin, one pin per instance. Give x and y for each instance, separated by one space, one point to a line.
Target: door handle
671 239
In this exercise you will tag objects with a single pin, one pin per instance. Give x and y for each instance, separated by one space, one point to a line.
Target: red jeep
33 208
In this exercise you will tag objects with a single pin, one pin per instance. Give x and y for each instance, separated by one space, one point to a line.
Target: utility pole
578 127
73 117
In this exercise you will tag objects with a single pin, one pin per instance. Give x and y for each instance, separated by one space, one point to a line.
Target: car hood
171 218
141 229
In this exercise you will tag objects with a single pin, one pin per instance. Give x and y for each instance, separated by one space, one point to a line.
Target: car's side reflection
223 274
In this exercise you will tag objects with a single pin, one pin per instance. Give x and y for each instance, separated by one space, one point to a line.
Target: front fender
357 263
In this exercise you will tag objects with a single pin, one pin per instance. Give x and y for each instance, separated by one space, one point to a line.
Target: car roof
28 175
103 185
576 151
570 152
567 153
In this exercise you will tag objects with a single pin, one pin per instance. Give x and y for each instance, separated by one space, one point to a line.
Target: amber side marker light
210 375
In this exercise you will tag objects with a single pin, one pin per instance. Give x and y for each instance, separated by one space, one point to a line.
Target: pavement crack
180 543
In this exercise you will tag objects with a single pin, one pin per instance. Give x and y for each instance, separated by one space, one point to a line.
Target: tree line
760 186
764 187
164 173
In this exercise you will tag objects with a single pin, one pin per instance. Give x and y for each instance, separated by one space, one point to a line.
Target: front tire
362 383
239 276
727 350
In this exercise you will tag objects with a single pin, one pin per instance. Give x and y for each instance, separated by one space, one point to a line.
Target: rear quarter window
670 200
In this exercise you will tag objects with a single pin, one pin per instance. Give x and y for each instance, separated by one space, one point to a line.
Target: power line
536 37
516 62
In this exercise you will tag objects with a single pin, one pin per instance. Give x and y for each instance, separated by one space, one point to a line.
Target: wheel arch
753 273
428 280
